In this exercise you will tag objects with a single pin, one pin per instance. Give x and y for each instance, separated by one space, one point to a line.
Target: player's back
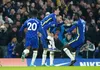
81 28
49 18
32 26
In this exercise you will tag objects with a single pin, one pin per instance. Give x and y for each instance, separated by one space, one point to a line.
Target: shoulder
34 20
28 20
38 20
52 15
83 21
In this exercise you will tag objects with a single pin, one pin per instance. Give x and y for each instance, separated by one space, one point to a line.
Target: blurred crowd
15 12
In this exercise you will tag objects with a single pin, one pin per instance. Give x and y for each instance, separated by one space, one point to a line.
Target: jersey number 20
32 26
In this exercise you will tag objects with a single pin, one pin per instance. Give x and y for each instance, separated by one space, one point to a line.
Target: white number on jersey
83 22
83 27
32 26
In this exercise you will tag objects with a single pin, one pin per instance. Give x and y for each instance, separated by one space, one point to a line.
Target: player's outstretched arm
72 28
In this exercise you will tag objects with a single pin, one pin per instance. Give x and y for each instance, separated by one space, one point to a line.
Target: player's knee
28 47
51 53
66 46
73 53
35 52
26 51
35 49
45 52
65 49
50 38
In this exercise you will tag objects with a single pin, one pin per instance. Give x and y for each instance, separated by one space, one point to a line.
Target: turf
51 68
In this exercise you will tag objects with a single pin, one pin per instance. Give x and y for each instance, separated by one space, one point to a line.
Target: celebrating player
33 25
73 45
48 23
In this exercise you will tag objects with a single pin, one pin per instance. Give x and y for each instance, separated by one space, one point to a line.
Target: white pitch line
62 64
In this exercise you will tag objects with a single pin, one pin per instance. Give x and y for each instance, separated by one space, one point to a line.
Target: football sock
69 54
34 57
51 58
44 55
74 54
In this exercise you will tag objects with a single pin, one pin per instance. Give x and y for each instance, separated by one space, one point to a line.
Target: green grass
51 68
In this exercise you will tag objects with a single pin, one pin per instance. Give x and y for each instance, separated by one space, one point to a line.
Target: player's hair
77 14
33 13
55 8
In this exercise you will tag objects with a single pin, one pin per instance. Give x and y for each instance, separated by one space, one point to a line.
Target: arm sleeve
40 29
72 28
23 26
54 19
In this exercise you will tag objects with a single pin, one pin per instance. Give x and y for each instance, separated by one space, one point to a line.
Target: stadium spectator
13 14
11 48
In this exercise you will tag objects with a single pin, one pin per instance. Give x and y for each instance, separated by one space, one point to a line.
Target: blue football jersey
49 21
80 26
33 25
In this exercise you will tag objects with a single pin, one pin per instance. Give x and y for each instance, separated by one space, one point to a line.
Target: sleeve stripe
76 38
46 21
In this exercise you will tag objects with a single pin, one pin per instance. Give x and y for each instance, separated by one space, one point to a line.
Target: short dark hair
77 14
55 8
33 13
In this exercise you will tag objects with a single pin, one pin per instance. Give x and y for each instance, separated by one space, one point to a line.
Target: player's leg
67 49
71 49
52 49
51 41
35 52
27 49
74 54
35 46
44 55
52 46
25 53
51 58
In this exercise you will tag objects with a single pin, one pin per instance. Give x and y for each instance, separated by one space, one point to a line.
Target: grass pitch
51 68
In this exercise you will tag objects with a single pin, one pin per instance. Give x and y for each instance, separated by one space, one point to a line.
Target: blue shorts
44 43
32 42
76 43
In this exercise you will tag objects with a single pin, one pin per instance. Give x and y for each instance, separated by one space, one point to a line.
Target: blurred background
13 13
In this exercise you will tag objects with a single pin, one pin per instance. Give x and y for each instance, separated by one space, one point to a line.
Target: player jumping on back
48 23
